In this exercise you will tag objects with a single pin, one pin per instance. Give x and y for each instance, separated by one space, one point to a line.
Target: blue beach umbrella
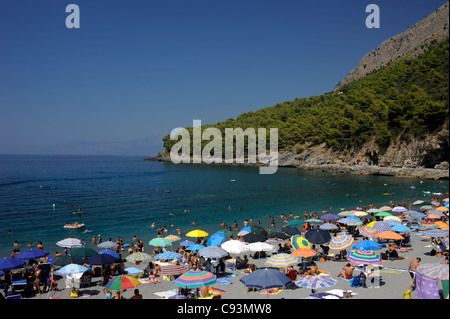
216 239
328 226
212 252
10 263
110 252
367 245
31 254
187 243
382 226
400 228
168 255
71 269
265 278
195 247
329 217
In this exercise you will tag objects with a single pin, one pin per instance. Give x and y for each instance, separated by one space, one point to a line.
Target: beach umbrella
122 282
260 246
265 278
346 214
389 235
216 239
435 212
434 203
296 221
400 228
445 241
427 226
426 207
197 233
329 217
436 233
434 271
411 212
282 260
315 282
366 257
195 247
397 219
278 235
107 245
254 237
226 232
304 252
71 269
418 215
172 238
442 225
138 256
31 254
381 226
244 231
314 221
101 259
318 236
168 255
367 245
340 242
328 226
65 260
195 279
186 243
418 202
213 252
258 229
360 214
373 210
160 242
83 252
383 214
399 209
432 216
300 242
392 222
234 246
10 263
174 270
368 231
349 221
110 252
70 243
385 208
290 230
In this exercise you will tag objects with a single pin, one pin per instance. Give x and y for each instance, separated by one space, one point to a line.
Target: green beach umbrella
139 256
296 221
383 214
160 242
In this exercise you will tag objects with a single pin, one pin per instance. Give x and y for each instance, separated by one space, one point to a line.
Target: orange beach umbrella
389 235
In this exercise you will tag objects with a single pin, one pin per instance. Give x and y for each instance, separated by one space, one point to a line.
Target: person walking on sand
413 264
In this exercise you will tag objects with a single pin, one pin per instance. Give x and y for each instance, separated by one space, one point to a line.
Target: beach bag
407 294
74 293
322 260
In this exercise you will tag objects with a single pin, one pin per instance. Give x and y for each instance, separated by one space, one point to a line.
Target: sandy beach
395 279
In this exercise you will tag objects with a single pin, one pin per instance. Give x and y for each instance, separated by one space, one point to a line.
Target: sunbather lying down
152 277
314 271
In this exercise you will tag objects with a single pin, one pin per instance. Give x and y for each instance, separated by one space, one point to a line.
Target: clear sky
137 69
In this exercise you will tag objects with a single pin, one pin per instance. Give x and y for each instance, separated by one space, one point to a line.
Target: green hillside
407 98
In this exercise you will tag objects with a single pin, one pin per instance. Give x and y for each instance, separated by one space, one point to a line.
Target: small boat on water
74 226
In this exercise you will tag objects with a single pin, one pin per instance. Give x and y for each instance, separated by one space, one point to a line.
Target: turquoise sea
123 196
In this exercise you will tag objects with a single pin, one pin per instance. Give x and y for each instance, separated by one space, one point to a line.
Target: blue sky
137 69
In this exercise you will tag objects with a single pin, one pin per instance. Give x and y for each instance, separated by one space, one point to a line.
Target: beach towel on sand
224 281
264 292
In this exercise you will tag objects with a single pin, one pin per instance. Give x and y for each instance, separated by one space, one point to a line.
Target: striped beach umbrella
366 257
399 209
346 214
432 216
195 279
160 242
392 218
122 282
138 256
373 210
385 208
368 231
300 242
435 212
315 282
436 233
427 226
340 242
282 260
381 226
172 238
168 255
174 270
70 243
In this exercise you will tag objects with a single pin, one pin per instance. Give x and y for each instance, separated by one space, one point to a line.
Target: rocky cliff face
408 44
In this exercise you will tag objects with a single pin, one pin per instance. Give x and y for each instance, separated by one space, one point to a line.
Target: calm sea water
125 195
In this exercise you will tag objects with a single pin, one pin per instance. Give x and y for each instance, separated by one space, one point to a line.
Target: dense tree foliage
404 99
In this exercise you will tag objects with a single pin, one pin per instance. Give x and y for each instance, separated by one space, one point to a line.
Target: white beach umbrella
234 246
260 246
70 243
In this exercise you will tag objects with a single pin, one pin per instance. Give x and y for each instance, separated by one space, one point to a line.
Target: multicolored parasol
122 282
282 260
368 231
340 242
174 270
366 257
195 279
434 271
300 242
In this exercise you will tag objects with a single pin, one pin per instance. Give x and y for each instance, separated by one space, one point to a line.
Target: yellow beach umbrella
197 233
442 209
371 223
299 241
442 225
360 214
